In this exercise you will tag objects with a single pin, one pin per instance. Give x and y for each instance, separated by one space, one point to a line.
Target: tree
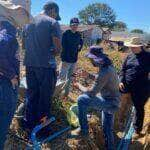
137 31
120 26
99 14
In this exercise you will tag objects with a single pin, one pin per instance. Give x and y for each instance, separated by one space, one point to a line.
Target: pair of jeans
107 107
8 102
66 72
40 89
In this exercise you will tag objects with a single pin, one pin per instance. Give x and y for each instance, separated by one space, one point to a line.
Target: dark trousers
41 85
139 97
8 101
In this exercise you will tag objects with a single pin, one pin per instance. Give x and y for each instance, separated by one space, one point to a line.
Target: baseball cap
74 21
52 5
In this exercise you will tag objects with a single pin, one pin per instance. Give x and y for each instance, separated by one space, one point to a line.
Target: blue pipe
37 144
129 130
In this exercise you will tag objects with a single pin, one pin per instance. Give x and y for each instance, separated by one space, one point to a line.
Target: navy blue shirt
71 43
9 63
135 70
38 41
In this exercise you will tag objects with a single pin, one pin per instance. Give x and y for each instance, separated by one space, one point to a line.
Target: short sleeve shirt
38 38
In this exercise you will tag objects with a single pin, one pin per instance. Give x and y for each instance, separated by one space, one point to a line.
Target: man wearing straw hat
134 80
106 85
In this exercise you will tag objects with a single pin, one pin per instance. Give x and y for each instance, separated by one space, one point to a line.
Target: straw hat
134 42
16 14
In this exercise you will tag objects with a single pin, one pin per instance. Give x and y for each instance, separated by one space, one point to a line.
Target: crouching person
106 85
9 75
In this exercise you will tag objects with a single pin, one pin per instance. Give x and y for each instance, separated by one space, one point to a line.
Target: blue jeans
107 107
8 101
66 72
40 89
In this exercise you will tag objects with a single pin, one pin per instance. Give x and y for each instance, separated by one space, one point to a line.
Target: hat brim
73 24
58 17
90 55
128 44
98 60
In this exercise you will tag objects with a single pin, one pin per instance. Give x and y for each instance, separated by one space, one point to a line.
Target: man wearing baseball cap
71 45
134 81
106 85
42 43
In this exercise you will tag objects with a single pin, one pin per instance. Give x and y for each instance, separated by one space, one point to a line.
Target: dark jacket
135 69
9 64
72 43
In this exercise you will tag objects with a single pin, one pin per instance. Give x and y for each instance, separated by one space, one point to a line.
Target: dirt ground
95 141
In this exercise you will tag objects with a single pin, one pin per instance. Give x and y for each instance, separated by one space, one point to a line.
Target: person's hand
76 85
121 86
14 82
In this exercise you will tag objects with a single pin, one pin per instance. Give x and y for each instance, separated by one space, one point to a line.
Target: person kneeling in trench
106 85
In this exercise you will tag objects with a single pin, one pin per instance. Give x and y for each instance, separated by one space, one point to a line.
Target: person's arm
122 75
57 44
56 33
64 39
123 69
81 43
100 82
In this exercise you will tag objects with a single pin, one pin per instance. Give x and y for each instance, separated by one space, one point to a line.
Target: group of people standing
42 42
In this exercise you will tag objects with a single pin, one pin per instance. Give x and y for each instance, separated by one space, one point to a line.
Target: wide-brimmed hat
15 14
52 5
96 53
134 42
74 21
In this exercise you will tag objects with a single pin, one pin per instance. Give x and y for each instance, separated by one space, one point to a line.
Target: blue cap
74 21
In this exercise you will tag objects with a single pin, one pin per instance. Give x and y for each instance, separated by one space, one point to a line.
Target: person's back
41 43
110 89
38 38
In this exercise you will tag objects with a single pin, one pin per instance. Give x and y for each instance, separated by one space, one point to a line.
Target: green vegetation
98 13
120 26
137 31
